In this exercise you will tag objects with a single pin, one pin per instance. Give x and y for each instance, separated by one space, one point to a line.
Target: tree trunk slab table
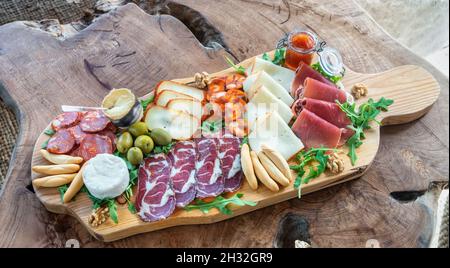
130 48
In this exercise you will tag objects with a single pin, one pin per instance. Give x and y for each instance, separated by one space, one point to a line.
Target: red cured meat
305 71
94 122
94 144
77 133
330 112
320 91
66 120
182 175
345 135
315 132
210 182
111 135
155 198
229 153
61 142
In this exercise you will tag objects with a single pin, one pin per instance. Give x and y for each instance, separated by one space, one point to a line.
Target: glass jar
301 47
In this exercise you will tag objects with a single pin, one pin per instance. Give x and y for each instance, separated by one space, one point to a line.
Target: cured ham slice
182 175
315 132
329 111
305 71
320 91
155 198
210 182
229 153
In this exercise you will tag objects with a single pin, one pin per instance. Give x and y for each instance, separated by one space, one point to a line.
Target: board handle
413 89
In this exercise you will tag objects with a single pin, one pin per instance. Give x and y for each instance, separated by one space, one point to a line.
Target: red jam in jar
301 48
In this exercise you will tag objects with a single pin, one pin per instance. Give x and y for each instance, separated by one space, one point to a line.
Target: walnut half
359 90
335 164
201 80
98 216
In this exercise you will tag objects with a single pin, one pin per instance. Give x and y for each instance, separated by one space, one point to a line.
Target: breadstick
54 181
247 167
278 160
273 171
262 174
60 158
75 185
56 169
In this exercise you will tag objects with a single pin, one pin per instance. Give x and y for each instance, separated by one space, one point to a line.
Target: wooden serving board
413 90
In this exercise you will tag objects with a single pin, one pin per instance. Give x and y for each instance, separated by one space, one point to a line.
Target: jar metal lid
331 61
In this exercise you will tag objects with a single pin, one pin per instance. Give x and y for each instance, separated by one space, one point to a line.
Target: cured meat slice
110 135
315 132
61 142
77 133
94 144
155 198
229 153
304 71
182 175
345 135
320 91
330 112
210 181
66 120
94 121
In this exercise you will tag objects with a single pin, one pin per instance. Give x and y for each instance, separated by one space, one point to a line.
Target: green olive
145 143
137 129
135 155
124 142
160 136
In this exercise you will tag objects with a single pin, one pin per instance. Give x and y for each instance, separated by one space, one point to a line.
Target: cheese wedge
165 96
272 131
255 111
195 93
190 106
282 75
263 96
263 79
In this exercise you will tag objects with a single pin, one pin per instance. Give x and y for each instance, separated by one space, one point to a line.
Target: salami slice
94 144
61 142
94 122
77 133
110 135
66 120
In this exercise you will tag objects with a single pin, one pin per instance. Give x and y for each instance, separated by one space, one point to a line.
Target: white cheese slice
106 176
263 79
262 96
272 131
255 111
280 74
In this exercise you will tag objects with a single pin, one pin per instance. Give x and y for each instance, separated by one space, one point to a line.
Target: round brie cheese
106 176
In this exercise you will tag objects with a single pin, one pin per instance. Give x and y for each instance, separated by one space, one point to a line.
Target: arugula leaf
238 69
212 126
145 103
244 141
333 78
113 210
278 58
220 203
62 190
361 119
317 155
49 132
165 149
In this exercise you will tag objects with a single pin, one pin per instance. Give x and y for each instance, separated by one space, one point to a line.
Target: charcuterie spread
279 122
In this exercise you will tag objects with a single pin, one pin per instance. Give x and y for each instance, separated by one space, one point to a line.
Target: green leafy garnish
313 155
62 190
244 141
109 202
220 203
278 58
133 171
49 132
165 149
361 119
333 78
146 102
212 126
44 145
238 69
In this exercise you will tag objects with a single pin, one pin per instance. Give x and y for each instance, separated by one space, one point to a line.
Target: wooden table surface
129 48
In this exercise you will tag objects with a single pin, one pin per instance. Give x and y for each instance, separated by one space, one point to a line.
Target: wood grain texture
128 48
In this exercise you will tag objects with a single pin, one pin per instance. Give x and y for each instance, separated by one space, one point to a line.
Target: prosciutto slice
229 153
155 198
315 132
182 175
320 91
329 111
210 182
305 71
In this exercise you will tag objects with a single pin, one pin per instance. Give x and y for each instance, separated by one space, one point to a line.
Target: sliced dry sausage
94 122
94 144
77 133
111 136
66 120
61 142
